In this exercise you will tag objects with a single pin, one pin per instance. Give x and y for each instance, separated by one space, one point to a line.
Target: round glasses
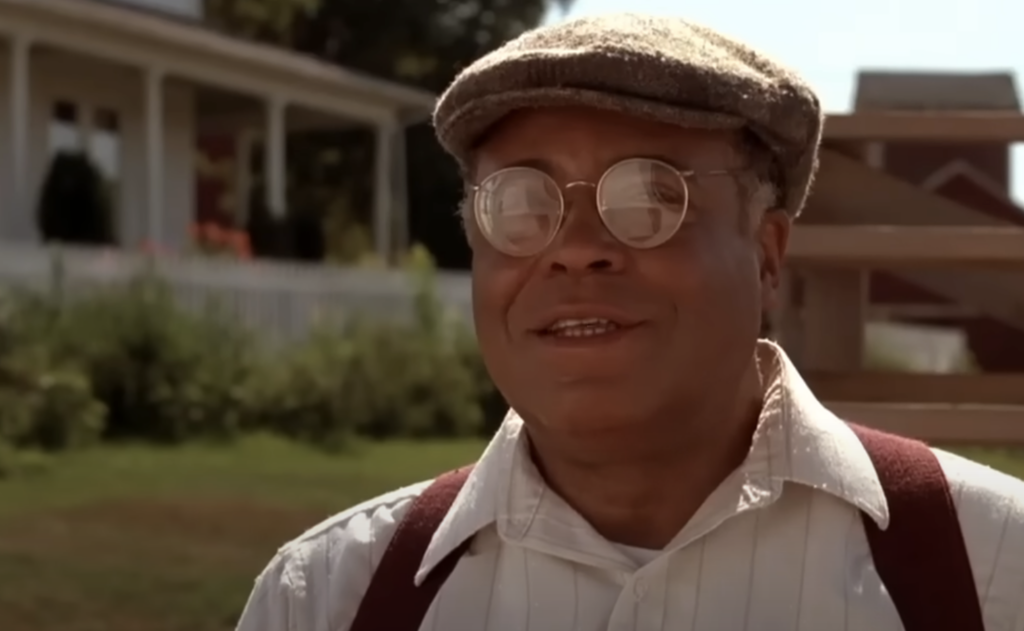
642 202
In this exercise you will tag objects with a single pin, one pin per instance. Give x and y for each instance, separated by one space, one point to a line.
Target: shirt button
640 588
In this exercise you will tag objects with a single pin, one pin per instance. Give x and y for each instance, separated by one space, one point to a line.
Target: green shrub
295 392
490 401
128 363
164 374
376 378
44 405
408 381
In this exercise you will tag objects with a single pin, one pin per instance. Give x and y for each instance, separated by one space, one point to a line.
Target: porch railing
280 300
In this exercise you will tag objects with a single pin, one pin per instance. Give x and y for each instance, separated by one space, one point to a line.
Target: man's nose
584 244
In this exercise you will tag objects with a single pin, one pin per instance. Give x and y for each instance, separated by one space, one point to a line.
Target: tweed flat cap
665 69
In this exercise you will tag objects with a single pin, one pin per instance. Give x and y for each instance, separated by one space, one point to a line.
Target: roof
935 91
196 36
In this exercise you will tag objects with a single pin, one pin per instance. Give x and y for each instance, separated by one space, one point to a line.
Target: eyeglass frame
684 176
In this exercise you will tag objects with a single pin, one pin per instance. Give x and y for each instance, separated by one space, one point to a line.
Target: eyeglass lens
641 202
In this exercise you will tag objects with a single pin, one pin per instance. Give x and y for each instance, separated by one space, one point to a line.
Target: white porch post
400 186
154 100
383 194
274 156
19 214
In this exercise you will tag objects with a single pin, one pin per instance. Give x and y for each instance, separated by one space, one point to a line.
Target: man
632 182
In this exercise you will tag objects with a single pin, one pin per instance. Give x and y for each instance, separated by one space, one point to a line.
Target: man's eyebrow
540 164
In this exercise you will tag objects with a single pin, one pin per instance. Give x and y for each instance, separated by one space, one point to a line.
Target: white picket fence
279 300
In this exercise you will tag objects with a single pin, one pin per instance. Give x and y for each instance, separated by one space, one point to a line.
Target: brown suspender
393 601
921 557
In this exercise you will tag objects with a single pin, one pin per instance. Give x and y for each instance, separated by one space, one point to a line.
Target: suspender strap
393 602
921 557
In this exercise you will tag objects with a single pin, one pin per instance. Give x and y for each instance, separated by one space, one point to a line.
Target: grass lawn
139 539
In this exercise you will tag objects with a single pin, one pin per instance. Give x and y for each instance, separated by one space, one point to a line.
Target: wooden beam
1001 127
940 424
923 311
833 319
881 387
889 247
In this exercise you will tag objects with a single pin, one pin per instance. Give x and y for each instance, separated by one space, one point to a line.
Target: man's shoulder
990 505
982 492
367 522
316 580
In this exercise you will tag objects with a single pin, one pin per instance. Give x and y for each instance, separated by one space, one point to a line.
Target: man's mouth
581 327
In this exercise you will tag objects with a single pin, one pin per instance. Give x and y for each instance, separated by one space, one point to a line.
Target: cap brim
463 129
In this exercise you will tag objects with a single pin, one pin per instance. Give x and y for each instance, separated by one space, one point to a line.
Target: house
136 83
974 174
170 112
910 224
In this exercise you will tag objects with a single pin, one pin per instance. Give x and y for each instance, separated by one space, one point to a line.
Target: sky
829 41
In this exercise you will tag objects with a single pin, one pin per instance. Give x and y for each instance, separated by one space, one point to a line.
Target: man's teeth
582 328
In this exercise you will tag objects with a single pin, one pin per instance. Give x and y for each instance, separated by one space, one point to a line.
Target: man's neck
644 496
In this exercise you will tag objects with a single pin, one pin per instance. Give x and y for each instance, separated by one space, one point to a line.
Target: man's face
687 312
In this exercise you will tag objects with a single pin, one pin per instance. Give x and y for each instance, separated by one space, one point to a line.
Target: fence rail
280 300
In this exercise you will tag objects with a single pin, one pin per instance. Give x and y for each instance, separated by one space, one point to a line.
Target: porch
137 93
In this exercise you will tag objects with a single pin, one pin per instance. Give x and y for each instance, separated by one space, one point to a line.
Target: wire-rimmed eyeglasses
641 201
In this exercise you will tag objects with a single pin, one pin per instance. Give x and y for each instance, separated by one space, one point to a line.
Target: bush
164 374
295 392
44 404
378 379
128 363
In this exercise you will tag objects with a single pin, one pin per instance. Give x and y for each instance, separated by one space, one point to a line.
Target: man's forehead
537 137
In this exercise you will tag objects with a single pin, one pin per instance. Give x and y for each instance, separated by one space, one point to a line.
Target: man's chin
588 411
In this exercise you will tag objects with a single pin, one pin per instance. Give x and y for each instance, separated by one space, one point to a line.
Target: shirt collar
797 440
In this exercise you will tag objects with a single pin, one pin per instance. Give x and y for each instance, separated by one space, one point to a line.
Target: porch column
19 219
383 192
155 155
400 187
274 157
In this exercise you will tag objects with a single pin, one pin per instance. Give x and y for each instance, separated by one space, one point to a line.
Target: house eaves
145 26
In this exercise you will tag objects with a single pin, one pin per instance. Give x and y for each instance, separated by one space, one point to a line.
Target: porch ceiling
219 111
194 52
849 192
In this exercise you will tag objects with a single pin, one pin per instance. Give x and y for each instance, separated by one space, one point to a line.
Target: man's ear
773 237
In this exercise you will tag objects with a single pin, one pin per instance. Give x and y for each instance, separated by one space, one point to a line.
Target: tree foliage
423 43
418 42
263 20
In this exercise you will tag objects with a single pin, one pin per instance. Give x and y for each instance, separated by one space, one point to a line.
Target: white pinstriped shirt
779 546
